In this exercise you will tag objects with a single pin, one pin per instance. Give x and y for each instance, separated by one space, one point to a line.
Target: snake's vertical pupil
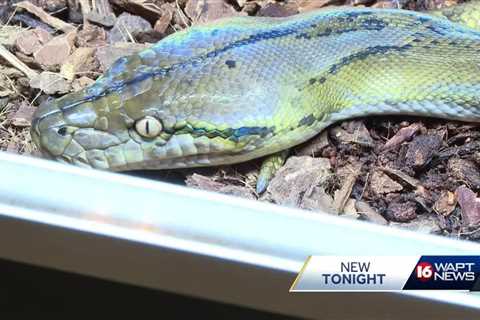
148 127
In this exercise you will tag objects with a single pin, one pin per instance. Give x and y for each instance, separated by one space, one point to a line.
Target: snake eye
148 127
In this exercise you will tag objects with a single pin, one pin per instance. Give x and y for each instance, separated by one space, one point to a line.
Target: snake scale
248 87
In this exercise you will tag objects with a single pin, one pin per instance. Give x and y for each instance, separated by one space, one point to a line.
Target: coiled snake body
248 87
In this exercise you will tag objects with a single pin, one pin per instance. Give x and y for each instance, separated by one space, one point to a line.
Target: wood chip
81 59
341 196
145 9
350 210
404 134
127 27
356 133
314 146
464 170
91 36
251 8
421 150
401 175
310 5
107 55
470 205
446 203
32 40
277 10
208 183
80 83
45 17
294 180
317 199
401 211
9 34
369 214
101 14
387 4
23 116
203 182
56 51
50 83
162 24
380 183
201 11
10 58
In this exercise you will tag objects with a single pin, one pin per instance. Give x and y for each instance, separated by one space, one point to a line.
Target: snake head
181 103
146 123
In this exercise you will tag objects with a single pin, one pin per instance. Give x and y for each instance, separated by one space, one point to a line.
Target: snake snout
49 131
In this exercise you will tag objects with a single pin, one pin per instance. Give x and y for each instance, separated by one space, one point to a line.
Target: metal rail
203 244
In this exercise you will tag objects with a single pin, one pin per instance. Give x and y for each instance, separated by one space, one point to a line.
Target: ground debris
56 51
50 83
465 171
310 5
165 20
81 61
350 209
91 36
23 116
313 147
277 9
380 183
368 213
80 83
143 8
9 34
297 179
387 4
349 176
355 132
127 27
446 203
317 199
212 184
470 205
46 17
14 61
108 54
101 14
404 134
401 211
201 11
421 150
30 41
251 8
401 176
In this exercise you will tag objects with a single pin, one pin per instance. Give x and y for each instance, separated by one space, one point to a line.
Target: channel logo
445 273
392 273
424 271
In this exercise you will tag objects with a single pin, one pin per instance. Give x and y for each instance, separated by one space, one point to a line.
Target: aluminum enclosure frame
202 244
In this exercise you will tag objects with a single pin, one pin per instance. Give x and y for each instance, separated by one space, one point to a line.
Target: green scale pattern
247 87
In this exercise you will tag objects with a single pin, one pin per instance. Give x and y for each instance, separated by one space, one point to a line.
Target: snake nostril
62 131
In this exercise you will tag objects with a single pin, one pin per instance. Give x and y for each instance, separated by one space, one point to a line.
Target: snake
242 88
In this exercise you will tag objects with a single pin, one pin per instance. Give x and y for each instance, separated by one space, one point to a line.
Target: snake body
247 87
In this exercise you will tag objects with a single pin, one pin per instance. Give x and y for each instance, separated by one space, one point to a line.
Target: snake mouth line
184 151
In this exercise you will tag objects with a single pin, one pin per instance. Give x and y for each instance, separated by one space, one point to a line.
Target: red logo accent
424 271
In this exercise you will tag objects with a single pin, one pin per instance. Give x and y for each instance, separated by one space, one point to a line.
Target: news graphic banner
388 273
